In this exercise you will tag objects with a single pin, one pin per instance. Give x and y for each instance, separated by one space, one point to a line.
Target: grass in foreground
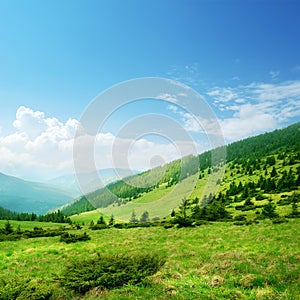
217 261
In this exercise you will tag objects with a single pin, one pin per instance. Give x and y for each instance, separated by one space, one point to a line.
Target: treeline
283 140
55 217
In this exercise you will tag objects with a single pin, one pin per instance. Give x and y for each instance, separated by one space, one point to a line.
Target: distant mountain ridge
27 196
89 181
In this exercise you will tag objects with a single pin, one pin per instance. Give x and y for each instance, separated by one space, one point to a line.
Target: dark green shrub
260 197
109 271
279 220
73 238
119 225
240 218
98 226
9 237
168 225
40 232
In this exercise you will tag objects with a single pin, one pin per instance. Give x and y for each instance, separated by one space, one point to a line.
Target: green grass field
216 261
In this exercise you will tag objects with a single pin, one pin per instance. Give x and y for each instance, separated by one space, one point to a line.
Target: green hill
256 169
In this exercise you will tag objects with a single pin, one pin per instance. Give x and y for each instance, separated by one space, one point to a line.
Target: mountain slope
26 196
247 161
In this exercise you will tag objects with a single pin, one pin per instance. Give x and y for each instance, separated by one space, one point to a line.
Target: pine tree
133 218
8 228
101 221
111 220
273 172
268 210
248 202
182 217
144 217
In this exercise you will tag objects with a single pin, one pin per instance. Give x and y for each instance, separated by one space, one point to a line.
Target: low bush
109 271
40 232
279 220
9 237
73 238
99 226
240 218
119 225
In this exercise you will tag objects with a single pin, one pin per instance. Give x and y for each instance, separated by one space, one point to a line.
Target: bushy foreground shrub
109 271
24 289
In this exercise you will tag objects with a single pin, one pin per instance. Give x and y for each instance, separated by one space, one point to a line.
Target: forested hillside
268 163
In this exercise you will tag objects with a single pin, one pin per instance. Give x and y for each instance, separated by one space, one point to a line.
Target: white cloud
275 92
222 94
207 129
246 121
168 97
274 74
257 107
173 108
42 148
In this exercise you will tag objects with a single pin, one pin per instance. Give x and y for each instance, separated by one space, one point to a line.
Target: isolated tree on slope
144 217
133 218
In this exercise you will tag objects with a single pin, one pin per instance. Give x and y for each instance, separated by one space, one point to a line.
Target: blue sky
56 56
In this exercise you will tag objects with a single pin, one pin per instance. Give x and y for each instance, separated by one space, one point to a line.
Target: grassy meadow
215 261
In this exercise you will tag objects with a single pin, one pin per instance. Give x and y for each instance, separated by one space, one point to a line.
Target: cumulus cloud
42 147
246 121
39 146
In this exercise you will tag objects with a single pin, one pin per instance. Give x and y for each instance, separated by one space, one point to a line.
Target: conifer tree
273 172
8 228
144 217
133 218
101 221
268 210
111 220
